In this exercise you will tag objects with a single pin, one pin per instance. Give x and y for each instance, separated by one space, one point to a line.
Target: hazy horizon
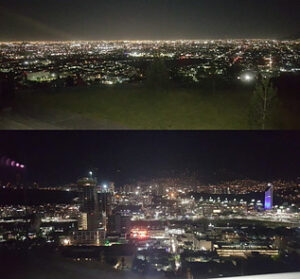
144 19
148 40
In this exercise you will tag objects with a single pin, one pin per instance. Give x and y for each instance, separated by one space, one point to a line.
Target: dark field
135 107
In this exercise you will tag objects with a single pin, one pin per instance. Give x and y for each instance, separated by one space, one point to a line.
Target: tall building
269 197
120 223
90 231
105 202
89 204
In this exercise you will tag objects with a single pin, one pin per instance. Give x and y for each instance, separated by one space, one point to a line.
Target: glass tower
269 197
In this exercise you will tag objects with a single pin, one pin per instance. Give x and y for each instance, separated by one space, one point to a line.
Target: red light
237 59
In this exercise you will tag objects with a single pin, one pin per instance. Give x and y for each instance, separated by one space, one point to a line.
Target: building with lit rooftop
90 231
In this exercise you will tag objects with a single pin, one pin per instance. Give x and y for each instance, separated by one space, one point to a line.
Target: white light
66 241
247 77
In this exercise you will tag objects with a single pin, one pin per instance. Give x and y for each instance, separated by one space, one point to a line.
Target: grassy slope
139 108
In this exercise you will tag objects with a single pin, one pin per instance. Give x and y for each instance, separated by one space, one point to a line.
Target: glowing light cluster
139 233
8 162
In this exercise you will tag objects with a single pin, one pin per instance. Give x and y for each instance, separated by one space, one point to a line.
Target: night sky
147 19
62 157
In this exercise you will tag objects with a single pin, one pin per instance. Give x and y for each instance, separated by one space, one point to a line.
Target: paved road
53 120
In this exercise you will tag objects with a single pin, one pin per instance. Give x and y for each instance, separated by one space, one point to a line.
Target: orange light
139 233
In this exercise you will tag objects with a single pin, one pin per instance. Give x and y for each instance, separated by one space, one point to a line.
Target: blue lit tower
269 197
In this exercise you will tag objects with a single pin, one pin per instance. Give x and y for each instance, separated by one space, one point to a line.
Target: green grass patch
142 108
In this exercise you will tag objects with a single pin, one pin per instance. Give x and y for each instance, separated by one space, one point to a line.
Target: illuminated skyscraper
105 201
89 204
89 232
269 197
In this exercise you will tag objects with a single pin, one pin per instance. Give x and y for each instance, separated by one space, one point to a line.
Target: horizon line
147 40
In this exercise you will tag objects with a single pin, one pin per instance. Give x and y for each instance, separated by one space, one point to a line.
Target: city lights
116 69
150 139
139 233
66 242
151 219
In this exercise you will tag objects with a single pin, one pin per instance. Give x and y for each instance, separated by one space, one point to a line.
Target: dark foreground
141 108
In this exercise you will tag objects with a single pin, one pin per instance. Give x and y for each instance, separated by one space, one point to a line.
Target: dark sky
62 157
147 19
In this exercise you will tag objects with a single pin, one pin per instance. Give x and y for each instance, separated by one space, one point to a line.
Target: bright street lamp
246 77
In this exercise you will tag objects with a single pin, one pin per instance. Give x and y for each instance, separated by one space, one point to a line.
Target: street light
247 77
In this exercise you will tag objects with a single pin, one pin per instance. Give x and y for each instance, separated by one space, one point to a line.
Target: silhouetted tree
262 103
232 72
209 77
157 75
213 77
201 73
69 81
7 90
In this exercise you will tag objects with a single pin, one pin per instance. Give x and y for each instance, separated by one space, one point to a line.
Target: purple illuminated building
269 197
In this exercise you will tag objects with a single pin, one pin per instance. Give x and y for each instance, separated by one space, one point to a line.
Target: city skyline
56 158
158 19
149 139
